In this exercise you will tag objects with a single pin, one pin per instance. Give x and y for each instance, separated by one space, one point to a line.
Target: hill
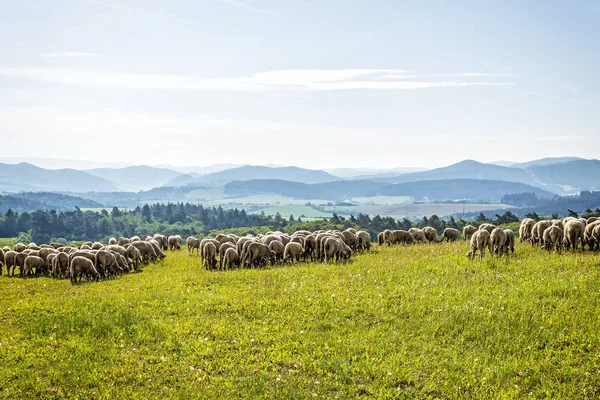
461 189
570 177
468 169
545 161
250 172
140 177
453 189
31 201
28 177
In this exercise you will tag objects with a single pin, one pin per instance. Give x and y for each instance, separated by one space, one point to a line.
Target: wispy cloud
69 54
246 6
312 80
140 11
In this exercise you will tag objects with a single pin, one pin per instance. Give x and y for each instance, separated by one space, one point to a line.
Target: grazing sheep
20 247
82 266
60 265
587 234
479 241
310 245
222 250
193 243
350 236
106 263
431 234
10 261
336 248
278 248
469 230
231 258
552 238
112 240
487 227
174 243
380 238
293 251
525 230
363 241
418 234
97 246
146 250
450 234
498 238
573 234
209 254
162 240
258 254
1 260
538 231
133 255
32 262
402 236
509 244
592 219
123 241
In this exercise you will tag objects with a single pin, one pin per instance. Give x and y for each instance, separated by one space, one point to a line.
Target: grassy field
402 322
410 210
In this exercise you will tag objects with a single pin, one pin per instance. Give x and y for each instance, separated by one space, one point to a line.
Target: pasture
401 322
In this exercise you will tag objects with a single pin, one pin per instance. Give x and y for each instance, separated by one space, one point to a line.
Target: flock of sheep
277 247
90 260
96 260
570 233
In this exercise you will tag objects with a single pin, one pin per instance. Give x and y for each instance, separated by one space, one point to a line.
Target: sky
316 84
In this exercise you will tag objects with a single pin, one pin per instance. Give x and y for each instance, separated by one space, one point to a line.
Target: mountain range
485 181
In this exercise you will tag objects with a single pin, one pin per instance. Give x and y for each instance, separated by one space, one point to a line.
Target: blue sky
317 84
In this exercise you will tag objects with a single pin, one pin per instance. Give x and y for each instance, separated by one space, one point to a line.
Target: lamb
479 241
573 233
498 238
293 251
82 266
450 234
231 258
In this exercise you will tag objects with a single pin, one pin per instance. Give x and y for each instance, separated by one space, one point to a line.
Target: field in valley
401 322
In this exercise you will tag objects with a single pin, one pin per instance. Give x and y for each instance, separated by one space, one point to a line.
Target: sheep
402 236
258 254
82 266
133 255
231 258
193 243
162 240
293 251
450 234
174 243
1 260
573 233
146 250
222 250
525 230
97 246
552 238
587 234
479 241
33 262
363 241
123 241
19 247
10 261
159 254
350 235
380 238
509 244
209 254
498 238
60 265
222 238
112 240
468 230
487 227
418 234
431 234
334 247
538 231
592 219
310 244
106 263
278 248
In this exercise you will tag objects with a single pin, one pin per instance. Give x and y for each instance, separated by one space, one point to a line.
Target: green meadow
401 322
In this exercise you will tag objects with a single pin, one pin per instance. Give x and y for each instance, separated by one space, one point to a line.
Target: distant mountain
61 163
570 177
28 177
250 172
208 169
468 169
32 201
136 178
183 180
432 190
461 189
503 163
369 173
545 161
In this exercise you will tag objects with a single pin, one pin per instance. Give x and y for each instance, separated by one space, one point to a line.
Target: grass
402 322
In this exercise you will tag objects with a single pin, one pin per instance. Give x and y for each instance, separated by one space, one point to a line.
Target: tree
571 213
146 213
292 219
116 213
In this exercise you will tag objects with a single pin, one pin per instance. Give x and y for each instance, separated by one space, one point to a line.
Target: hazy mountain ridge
136 178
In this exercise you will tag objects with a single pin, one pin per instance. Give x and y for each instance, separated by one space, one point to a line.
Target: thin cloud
286 80
246 6
140 11
69 54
